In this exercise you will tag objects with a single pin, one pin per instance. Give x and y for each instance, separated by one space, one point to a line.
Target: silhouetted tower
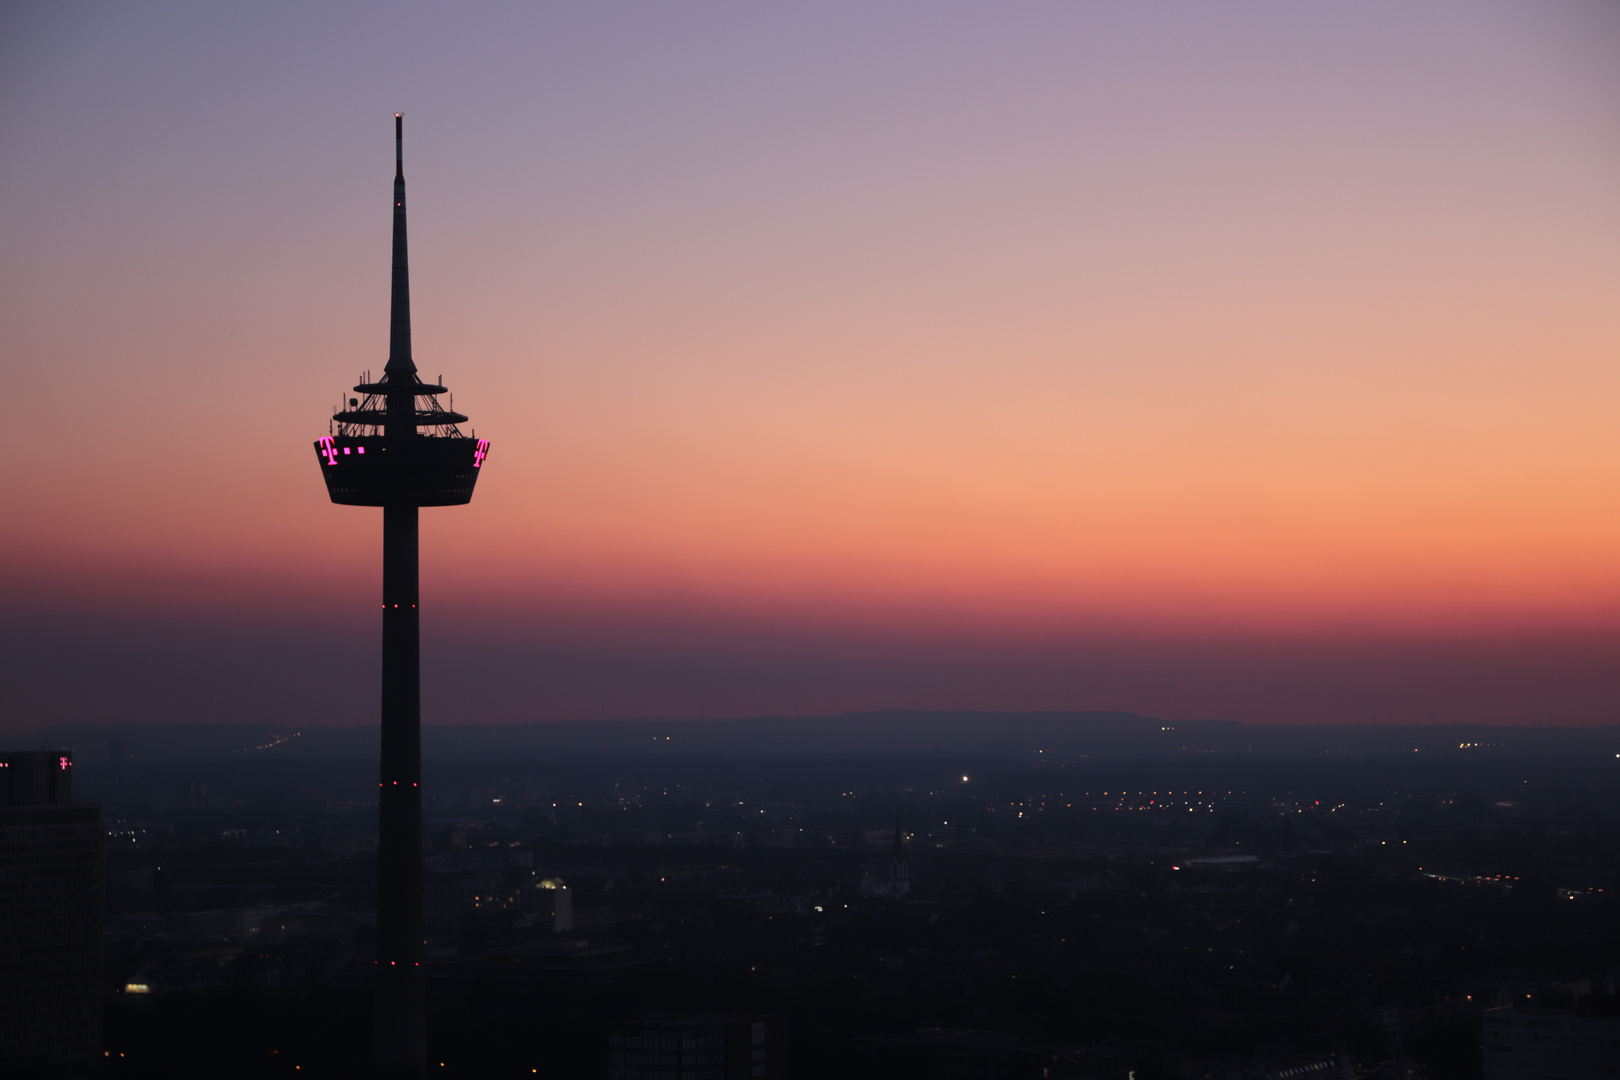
389 451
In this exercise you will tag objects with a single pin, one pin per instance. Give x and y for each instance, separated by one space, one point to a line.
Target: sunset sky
1248 361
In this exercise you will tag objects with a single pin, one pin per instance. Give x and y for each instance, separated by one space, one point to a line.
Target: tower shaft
401 1008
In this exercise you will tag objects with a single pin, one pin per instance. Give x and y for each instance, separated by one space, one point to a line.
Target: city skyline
1221 363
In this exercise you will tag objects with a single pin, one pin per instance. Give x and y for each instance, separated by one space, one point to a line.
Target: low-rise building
1520 1043
708 1047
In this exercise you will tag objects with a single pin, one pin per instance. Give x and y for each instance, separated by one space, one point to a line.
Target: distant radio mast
390 451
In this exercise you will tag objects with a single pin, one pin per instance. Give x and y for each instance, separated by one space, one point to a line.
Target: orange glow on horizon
1083 326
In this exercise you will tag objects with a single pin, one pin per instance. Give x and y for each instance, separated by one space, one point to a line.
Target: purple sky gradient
1239 361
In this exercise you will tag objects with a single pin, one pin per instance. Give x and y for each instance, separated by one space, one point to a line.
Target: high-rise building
392 450
899 869
52 879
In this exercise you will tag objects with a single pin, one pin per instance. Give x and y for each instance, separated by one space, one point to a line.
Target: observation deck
376 470
431 464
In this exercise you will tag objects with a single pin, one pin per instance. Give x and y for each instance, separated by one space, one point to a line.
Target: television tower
390 451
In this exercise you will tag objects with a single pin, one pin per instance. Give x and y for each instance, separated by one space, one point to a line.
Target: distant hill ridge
1052 737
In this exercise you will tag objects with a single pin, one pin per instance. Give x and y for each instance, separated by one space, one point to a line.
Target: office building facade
52 881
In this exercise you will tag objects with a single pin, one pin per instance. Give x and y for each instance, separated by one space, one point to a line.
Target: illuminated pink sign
63 762
481 453
328 451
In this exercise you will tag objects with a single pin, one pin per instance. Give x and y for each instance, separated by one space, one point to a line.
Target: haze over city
1234 362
